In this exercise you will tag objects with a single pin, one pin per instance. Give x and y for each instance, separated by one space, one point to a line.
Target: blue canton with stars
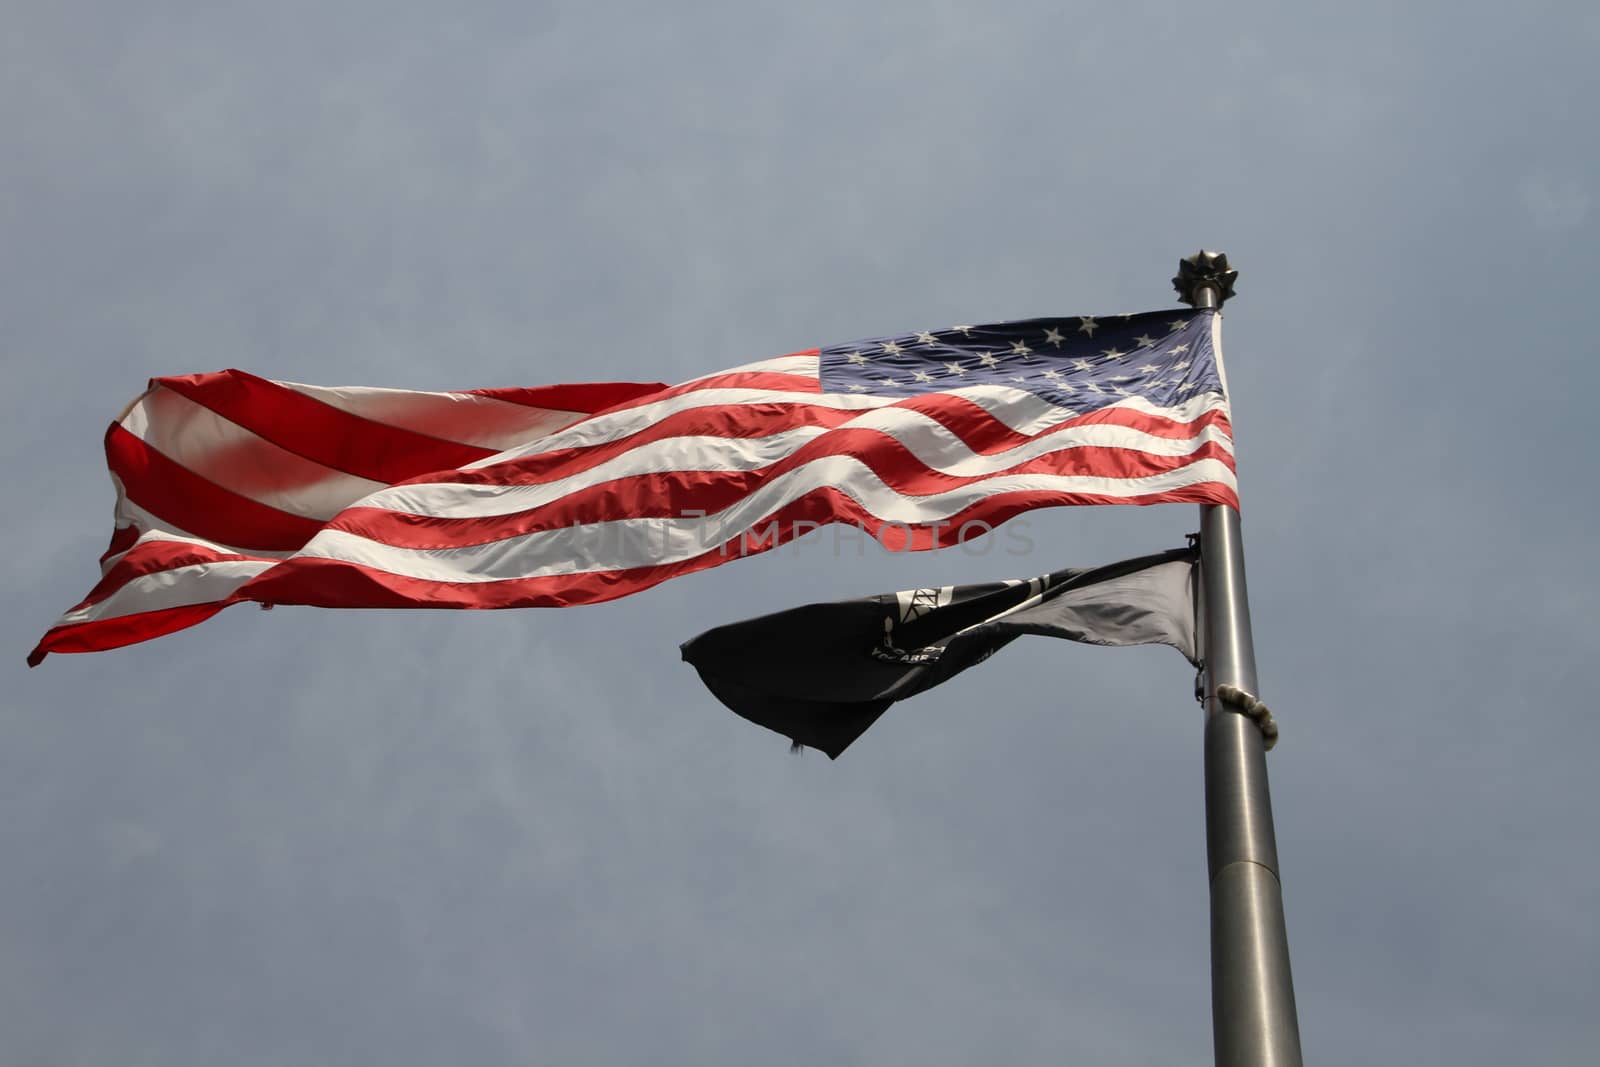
1080 364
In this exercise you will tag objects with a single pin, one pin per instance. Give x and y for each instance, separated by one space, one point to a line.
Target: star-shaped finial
1201 271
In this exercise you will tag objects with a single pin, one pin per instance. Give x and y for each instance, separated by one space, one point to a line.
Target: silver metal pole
1253 1021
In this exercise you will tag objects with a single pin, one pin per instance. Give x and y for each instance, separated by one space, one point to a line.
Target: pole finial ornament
1204 270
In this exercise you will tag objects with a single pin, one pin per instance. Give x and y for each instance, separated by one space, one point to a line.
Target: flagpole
1253 1020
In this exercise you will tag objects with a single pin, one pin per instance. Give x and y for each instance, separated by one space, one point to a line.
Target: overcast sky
312 837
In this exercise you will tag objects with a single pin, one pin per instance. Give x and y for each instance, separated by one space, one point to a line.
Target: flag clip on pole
1252 996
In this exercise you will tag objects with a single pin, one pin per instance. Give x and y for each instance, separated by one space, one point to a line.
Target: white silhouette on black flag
821 674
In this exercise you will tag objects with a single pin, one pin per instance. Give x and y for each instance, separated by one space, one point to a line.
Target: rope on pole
1253 709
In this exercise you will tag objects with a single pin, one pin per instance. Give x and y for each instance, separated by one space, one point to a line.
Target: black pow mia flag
821 674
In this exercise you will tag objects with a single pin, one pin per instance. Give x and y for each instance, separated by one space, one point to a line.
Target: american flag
234 488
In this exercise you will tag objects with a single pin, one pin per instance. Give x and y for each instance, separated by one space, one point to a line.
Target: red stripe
585 397
335 584
197 506
774 381
672 494
985 434
122 539
827 506
320 433
980 431
152 557
1154 425
732 422
101 634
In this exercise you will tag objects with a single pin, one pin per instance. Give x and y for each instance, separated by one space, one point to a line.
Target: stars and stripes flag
232 488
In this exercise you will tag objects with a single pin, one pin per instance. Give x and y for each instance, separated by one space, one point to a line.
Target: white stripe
615 425
228 455
465 418
130 514
173 537
197 583
1216 349
453 500
631 543
1028 413
934 446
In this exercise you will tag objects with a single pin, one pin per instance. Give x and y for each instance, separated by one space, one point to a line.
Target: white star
1185 365
955 368
1179 350
857 358
922 376
1144 340
964 331
1149 368
857 387
1113 353
1089 326
1053 336
1020 349
1083 364
1121 391
1018 378
1093 388
1053 375
890 382
988 359
1158 383
927 338
889 348
1121 378
1178 324
1186 387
